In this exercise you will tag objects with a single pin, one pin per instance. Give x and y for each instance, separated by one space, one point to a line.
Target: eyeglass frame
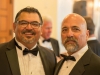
32 25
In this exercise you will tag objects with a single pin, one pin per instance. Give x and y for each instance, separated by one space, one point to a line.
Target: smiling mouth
28 32
29 35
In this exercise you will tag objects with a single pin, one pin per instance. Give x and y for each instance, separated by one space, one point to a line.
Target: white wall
64 8
46 7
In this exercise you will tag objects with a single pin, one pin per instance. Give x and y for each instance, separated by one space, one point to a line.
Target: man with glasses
22 55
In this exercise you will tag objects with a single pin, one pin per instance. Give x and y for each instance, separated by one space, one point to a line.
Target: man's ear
14 26
87 33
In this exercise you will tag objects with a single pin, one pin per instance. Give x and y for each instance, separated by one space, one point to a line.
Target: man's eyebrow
64 27
74 26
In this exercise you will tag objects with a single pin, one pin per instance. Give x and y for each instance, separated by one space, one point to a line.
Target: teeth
28 33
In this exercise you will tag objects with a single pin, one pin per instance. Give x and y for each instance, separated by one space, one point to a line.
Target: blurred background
56 9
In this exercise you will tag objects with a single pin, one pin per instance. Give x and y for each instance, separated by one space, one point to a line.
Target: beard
71 47
28 39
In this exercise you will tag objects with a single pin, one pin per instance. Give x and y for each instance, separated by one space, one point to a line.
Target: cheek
46 30
81 38
63 37
18 31
43 30
14 28
38 32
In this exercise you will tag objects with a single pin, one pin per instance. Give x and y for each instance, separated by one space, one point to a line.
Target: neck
29 45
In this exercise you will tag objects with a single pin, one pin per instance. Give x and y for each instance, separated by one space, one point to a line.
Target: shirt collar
80 53
23 47
41 38
91 38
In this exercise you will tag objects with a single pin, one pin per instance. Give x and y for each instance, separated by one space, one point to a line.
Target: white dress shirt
45 44
29 64
92 38
69 64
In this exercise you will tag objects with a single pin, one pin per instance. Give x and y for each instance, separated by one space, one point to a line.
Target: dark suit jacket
55 46
89 64
9 61
95 46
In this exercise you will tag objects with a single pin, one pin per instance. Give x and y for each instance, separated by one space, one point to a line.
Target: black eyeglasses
34 24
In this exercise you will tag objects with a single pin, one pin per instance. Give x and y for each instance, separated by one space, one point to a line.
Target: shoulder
53 39
95 62
95 57
49 54
8 45
89 55
3 44
93 42
44 49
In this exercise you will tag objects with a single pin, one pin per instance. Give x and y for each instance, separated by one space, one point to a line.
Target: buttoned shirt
45 44
29 64
69 64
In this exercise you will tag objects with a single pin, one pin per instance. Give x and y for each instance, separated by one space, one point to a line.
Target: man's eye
76 29
22 23
35 23
64 30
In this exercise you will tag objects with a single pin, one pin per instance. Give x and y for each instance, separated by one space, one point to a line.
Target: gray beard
71 48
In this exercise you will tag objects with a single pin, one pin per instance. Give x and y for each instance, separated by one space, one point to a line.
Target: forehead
72 21
29 16
47 23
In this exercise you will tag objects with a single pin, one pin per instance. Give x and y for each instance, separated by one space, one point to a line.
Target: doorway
6 20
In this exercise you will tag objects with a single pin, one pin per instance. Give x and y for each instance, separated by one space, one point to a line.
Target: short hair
46 18
90 24
28 10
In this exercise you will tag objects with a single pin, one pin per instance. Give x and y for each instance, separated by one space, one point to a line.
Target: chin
30 40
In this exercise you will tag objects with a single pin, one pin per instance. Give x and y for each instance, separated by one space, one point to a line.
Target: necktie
68 57
25 51
48 40
33 51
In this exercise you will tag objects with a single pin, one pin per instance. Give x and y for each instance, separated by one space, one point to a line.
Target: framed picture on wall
83 7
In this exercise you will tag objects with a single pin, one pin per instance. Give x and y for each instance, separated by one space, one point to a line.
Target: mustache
28 31
70 39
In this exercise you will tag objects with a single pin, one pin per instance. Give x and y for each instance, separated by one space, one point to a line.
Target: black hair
29 10
90 25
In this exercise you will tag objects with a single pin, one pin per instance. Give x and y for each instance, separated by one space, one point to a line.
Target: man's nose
70 33
29 26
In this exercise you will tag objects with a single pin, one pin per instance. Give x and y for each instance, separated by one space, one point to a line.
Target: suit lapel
44 61
78 69
13 59
58 67
82 63
54 46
